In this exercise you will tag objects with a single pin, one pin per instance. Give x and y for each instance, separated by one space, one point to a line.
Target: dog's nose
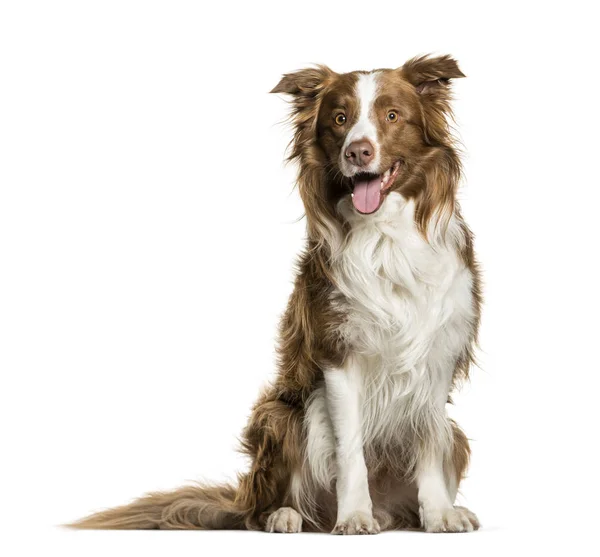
360 153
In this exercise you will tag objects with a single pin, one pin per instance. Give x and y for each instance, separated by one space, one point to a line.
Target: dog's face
367 130
368 125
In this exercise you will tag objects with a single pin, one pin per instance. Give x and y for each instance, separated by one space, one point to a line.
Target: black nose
360 153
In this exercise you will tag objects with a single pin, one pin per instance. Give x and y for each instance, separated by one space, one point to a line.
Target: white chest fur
408 304
400 291
408 307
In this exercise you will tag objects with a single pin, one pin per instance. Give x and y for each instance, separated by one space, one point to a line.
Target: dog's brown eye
392 116
340 119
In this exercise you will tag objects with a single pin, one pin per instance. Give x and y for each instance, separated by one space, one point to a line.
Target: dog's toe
357 523
455 519
285 520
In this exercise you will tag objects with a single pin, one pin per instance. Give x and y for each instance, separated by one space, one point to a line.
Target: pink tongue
367 195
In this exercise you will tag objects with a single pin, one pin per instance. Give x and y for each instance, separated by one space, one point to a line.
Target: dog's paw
285 520
357 523
456 519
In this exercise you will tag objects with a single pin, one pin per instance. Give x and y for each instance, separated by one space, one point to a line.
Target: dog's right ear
306 88
305 83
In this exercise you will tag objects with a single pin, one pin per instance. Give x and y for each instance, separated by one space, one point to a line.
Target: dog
353 437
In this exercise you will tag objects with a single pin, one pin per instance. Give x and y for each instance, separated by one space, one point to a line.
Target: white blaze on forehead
365 128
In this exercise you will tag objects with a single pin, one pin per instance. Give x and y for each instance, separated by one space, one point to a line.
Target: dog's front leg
436 501
344 401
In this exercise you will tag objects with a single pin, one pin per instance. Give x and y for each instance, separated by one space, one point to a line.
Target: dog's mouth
369 190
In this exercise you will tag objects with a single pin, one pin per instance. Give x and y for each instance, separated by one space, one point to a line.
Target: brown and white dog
353 435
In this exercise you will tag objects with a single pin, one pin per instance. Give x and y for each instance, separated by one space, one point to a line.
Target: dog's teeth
352 195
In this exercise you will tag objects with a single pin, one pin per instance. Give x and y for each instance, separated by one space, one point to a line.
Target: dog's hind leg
285 520
455 467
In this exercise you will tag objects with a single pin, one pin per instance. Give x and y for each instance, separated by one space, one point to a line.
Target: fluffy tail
188 508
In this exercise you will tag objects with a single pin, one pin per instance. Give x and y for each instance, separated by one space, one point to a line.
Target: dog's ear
431 75
306 88
304 83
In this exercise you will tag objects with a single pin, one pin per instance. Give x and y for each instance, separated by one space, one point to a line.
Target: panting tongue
367 195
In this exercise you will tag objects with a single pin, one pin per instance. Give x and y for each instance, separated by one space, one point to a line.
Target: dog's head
366 134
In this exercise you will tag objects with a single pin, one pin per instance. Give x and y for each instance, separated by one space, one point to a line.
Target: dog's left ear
431 75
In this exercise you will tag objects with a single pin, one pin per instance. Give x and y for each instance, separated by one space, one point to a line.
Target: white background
148 231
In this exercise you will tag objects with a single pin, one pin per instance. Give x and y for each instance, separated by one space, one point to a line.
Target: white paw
285 520
357 523
456 519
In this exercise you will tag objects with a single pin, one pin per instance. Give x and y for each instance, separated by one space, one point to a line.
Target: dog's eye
392 116
340 119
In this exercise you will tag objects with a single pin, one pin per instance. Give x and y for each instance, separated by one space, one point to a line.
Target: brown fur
274 438
187 508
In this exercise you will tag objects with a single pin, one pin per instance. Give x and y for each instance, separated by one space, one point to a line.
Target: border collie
352 437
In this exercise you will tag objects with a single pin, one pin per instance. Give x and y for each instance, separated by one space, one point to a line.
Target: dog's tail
195 507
